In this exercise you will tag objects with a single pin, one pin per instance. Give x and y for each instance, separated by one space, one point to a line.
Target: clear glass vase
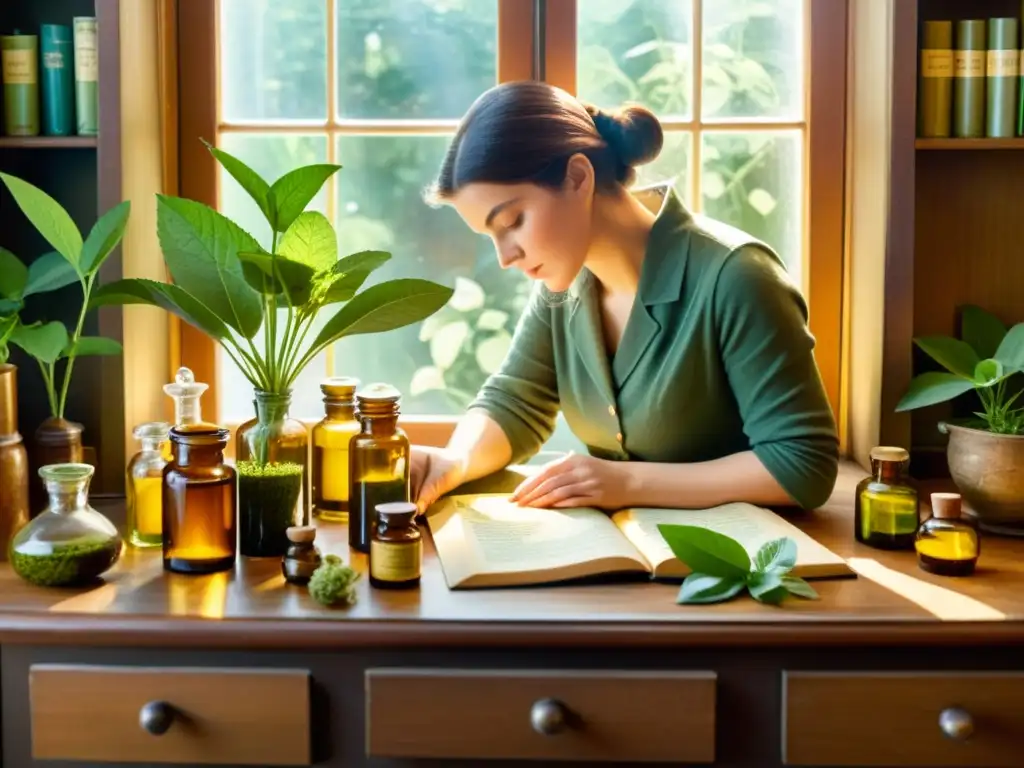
273 477
70 543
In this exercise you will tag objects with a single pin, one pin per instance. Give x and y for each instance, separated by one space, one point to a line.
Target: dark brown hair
526 131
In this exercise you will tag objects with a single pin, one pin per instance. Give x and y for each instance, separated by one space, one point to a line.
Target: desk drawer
553 715
908 718
195 715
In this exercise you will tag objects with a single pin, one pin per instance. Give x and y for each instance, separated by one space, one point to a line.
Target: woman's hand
433 472
577 481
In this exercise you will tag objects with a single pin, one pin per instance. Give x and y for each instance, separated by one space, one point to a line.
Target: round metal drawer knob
156 717
956 723
548 716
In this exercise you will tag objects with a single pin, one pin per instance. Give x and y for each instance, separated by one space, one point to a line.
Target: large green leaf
1011 349
93 345
104 236
350 272
988 373
933 387
311 240
252 182
201 249
278 274
982 330
384 307
706 551
48 217
702 588
10 306
13 275
955 355
777 554
797 586
291 193
170 297
43 342
50 272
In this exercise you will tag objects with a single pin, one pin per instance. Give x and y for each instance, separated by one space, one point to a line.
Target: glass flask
144 484
947 543
886 506
199 516
378 461
186 393
273 477
331 438
69 543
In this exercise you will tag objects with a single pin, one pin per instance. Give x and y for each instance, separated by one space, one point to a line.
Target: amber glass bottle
144 486
199 525
947 543
378 461
396 551
886 506
331 438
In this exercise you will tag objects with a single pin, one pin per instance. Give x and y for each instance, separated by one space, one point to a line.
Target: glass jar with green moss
70 543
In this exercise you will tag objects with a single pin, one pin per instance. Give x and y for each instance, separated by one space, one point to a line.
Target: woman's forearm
738 477
480 445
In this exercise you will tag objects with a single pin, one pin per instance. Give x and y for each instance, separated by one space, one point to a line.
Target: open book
484 540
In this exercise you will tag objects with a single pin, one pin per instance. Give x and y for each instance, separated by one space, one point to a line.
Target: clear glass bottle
331 437
378 461
69 543
396 552
144 479
199 525
273 477
886 505
186 393
947 543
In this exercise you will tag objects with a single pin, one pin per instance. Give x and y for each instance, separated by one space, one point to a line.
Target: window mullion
696 79
516 42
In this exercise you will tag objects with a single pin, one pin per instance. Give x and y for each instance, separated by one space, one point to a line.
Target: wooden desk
444 674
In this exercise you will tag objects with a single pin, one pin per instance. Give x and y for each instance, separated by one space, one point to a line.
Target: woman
676 347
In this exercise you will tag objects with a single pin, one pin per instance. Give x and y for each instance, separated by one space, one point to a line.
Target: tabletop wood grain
891 601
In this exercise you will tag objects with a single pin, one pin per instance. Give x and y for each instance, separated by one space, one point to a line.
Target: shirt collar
668 245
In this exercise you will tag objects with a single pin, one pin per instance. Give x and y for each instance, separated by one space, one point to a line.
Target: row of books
51 80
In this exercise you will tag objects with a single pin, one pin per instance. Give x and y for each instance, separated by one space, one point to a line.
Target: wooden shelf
1013 143
48 142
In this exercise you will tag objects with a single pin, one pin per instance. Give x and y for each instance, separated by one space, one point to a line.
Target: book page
486 540
750 525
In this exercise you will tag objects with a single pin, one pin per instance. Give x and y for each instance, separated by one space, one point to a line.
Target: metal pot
988 469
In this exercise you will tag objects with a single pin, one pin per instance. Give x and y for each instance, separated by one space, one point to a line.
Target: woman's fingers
529 486
545 488
571 494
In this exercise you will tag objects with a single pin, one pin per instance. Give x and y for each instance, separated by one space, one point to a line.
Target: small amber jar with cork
396 551
947 543
302 557
331 437
378 461
886 505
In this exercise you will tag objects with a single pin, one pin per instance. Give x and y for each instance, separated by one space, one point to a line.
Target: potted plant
230 286
986 451
57 440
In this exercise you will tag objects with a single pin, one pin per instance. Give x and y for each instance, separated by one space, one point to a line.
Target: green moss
70 564
333 582
267 494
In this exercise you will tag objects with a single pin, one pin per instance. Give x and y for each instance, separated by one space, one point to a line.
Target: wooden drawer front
478 714
218 715
880 718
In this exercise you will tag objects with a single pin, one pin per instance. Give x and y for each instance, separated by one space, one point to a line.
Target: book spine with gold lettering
935 80
19 69
1002 72
969 79
85 33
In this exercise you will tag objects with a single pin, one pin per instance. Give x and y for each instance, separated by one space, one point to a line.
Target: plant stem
86 291
294 367
48 381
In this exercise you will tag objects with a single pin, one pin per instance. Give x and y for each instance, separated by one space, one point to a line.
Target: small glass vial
886 506
378 461
200 518
144 484
331 438
302 557
947 544
186 392
396 551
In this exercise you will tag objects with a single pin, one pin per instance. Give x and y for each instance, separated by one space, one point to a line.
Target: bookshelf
84 174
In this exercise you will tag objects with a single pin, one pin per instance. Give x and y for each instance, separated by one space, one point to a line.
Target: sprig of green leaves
721 568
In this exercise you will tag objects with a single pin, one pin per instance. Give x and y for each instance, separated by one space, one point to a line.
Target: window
378 86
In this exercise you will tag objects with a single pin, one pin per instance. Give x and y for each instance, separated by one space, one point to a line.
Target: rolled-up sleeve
768 354
522 395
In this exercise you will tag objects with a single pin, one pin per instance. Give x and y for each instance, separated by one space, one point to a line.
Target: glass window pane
273 57
673 163
414 59
636 50
754 181
270 155
753 59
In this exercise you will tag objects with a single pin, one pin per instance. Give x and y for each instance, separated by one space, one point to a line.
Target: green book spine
969 79
58 79
87 72
1002 72
935 80
19 68
1020 79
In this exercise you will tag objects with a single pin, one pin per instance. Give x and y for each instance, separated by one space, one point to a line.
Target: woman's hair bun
633 132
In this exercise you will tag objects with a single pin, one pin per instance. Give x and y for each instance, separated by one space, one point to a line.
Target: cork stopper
301 534
889 453
946 506
378 400
339 387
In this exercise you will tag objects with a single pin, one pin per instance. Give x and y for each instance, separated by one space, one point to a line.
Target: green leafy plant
984 359
230 286
721 568
73 259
